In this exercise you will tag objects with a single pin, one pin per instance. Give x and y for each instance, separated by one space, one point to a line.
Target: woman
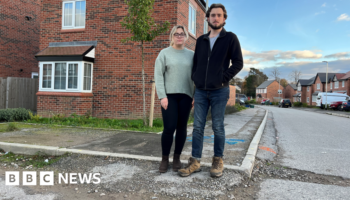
175 90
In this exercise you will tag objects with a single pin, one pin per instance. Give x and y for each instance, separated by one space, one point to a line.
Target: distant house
269 90
305 91
339 83
289 91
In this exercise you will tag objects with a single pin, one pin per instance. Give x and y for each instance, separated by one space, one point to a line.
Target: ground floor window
314 98
66 76
308 99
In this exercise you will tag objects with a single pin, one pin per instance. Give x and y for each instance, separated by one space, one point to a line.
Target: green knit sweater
172 72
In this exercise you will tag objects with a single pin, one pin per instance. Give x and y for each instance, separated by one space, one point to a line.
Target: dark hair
216 5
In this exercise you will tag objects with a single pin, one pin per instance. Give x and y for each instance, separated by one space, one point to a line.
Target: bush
304 105
253 101
14 114
297 104
247 102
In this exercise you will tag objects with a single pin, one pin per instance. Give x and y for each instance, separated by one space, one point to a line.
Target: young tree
294 76
275 73
143 29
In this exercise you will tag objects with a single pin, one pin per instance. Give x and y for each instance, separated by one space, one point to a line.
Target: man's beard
216 27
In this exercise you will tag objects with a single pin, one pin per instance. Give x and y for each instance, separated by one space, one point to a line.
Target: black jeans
175 117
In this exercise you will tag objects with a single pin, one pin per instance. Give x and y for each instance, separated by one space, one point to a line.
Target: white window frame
336 84
331 85
192 31
314 98
35 74
73 15
318 86
205 27
308 88
299 87
80 77
343 83
308 99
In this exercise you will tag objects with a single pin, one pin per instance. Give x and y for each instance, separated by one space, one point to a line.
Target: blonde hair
172 32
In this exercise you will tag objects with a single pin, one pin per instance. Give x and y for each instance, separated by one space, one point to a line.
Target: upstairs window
73 14
336 84
192 20
331 85
299 87
205 27
343 84
318 86
308 88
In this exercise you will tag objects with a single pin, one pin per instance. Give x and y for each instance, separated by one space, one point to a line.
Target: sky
291 34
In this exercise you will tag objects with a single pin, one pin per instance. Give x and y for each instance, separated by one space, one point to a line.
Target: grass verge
121 124
38 160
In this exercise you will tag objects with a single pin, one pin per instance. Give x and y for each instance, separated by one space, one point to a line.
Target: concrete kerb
246 167
339 115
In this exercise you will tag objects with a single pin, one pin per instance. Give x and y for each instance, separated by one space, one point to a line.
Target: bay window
66 76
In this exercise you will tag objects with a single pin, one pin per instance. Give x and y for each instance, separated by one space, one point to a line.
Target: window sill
75 30
65 94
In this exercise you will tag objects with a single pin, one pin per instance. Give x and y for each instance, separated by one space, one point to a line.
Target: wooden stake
152 103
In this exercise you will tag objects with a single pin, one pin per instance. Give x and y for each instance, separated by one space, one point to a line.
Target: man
211 74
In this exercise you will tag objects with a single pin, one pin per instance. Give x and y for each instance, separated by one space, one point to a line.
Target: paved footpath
123 178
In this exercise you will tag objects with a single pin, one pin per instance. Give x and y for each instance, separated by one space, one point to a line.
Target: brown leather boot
164 164
193 166
217 167
176 163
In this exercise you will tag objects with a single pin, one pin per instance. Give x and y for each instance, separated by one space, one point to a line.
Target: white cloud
317 30
274 55
343 17
339 55
324 5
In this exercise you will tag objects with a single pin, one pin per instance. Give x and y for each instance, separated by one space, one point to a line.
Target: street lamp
326 82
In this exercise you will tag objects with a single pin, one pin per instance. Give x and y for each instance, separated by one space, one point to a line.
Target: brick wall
289 92
64 103
232 99
19 38
272 91
117 79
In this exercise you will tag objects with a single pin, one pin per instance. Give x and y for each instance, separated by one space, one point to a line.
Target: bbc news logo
47 178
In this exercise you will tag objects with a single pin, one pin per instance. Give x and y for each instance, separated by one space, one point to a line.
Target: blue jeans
217 100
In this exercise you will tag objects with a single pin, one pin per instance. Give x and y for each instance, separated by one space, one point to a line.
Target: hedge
14 114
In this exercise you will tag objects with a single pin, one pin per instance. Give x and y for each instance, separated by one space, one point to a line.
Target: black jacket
211 69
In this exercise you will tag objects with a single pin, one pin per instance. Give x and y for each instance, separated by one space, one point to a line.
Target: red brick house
339 83
84 67
289 91
269 90
305 90
19 38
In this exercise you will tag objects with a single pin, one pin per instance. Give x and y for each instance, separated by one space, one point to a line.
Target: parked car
346 105
285 103
265 102
331 97
336 105
242 97
240 101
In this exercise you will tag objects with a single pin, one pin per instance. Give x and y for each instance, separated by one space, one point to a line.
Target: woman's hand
164 103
